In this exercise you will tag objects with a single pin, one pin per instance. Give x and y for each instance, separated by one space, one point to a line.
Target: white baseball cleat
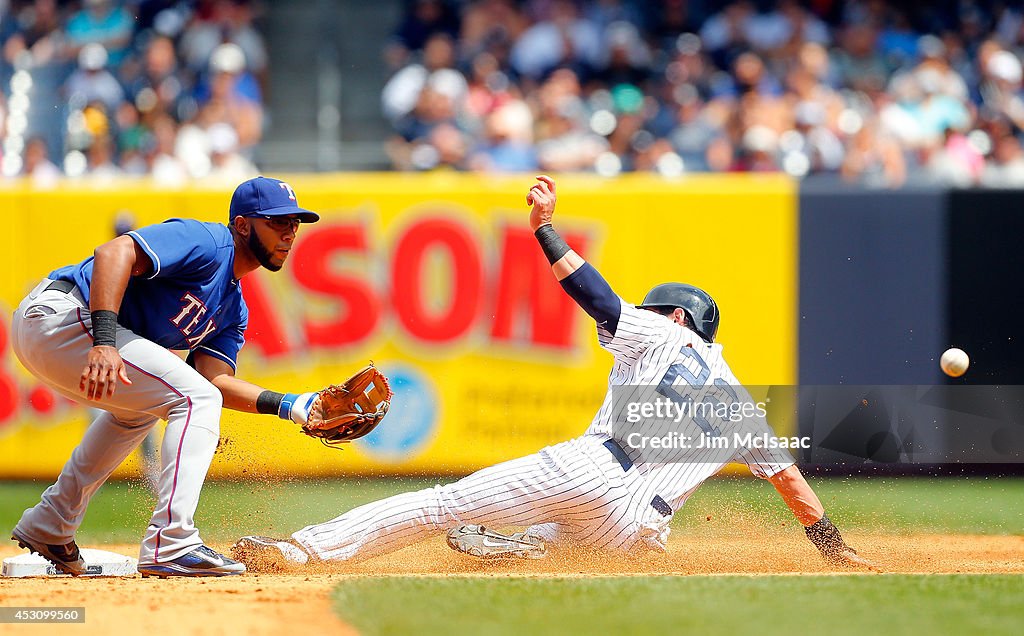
483 543
266 553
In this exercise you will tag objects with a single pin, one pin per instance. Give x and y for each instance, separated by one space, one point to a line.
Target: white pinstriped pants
575 491
50 336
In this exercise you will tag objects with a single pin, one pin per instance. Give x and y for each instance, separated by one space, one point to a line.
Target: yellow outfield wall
437 279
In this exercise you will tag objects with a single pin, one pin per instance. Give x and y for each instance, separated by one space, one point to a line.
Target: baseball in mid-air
954 362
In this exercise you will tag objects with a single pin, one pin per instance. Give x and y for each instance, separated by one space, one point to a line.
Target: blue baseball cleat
199 562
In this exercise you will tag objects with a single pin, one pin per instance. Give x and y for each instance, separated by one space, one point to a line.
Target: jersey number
679 370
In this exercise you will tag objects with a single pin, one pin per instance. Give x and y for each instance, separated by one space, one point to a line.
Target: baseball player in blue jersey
604 489
99 332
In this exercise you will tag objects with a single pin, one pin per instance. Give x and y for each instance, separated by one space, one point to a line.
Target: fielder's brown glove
340 414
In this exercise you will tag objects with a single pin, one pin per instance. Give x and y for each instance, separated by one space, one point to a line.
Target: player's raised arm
578 278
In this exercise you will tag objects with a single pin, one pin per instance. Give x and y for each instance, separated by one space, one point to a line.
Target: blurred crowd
171 89
872 92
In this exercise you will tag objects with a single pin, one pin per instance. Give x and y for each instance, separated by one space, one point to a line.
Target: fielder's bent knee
209 397
202 404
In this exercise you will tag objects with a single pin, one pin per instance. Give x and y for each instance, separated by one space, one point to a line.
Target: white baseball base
98 563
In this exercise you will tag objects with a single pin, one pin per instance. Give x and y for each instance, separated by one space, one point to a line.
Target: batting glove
295 407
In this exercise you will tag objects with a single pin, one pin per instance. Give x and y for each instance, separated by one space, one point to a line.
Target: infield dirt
299 602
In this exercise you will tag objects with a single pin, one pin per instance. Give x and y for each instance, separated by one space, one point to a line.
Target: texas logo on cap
264 196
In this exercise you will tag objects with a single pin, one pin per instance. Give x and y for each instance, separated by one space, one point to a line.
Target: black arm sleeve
827 539
554 246
269 402
591 292
104 328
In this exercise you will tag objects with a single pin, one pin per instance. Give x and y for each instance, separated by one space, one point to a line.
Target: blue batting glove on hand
295 407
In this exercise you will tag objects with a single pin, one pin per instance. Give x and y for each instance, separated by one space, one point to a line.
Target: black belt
65 286
620 456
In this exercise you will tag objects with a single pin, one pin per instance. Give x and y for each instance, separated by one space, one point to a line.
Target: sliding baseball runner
609 488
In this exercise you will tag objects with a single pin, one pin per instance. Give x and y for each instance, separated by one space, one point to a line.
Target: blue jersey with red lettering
190 300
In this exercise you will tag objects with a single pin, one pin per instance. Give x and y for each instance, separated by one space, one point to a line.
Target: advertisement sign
439 281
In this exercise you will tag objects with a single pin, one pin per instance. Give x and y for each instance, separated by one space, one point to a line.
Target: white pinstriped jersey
655 357
580 490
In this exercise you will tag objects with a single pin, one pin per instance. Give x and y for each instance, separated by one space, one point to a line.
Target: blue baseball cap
263 196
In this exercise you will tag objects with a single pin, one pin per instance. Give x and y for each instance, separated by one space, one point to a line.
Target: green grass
976 505
673 605
121 510
886 604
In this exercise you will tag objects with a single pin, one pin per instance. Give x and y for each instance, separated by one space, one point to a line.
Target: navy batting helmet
700 308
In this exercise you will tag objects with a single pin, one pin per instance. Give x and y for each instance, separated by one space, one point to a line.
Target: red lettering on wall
8 397
428 236
42 400
8 386
359 309
440 288
530 305
265 330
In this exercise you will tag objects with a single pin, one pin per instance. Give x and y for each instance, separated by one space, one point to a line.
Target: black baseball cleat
65 558
201 561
